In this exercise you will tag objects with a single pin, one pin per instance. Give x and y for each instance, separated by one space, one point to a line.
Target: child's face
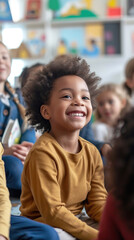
109 106
70 106
5 63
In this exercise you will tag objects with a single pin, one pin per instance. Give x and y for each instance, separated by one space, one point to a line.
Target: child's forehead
110 95
3 49
70 79
106 94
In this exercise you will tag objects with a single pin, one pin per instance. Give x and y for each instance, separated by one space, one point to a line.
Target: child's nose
106 105
78 102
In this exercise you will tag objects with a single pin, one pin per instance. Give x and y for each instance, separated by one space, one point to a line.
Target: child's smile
76 114
70 106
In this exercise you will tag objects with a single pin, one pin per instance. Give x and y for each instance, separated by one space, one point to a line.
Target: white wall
109 69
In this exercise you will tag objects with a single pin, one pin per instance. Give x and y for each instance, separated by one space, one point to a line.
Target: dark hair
129 69
38 89
121 160
25 74
127 89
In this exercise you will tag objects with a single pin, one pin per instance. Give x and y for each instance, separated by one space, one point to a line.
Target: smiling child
63 173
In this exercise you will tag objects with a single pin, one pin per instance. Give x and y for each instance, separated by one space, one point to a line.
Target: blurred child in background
28 72
129 80
112 102
11 108
117 221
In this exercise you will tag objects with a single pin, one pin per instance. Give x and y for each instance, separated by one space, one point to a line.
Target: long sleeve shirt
56 185
5 205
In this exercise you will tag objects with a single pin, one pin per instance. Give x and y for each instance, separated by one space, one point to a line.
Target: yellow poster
95 37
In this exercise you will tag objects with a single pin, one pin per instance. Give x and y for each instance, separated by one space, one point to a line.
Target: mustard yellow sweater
5 205
57 184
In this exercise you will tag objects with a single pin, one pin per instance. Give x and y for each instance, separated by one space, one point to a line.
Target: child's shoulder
45 144
87 144
90 151
44 140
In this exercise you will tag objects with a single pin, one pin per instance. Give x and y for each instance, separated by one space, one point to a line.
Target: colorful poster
5 13
33 9
71 40
94 40
35 41
86 41
72 9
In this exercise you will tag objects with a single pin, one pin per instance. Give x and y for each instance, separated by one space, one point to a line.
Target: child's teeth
77 114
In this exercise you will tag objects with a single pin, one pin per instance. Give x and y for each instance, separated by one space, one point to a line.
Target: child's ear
44 110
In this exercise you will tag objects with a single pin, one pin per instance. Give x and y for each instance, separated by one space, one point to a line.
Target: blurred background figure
11 108
129 80
28 72
112 102
118 217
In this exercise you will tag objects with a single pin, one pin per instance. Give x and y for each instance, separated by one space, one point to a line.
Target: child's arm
5 205
19 150
97 195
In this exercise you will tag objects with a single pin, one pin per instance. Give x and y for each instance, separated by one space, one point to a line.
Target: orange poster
33 9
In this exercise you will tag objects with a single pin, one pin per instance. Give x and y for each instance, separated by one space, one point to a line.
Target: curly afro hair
37 90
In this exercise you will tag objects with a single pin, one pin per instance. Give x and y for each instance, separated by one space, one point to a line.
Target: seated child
63 172
112 102
21 227
117 221
11 107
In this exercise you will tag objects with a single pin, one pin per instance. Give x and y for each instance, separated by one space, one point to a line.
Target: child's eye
111 101
4 57
66 96
86 98
100 104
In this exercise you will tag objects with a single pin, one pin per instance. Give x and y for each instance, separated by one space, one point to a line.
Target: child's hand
27 144
2 237
19 150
